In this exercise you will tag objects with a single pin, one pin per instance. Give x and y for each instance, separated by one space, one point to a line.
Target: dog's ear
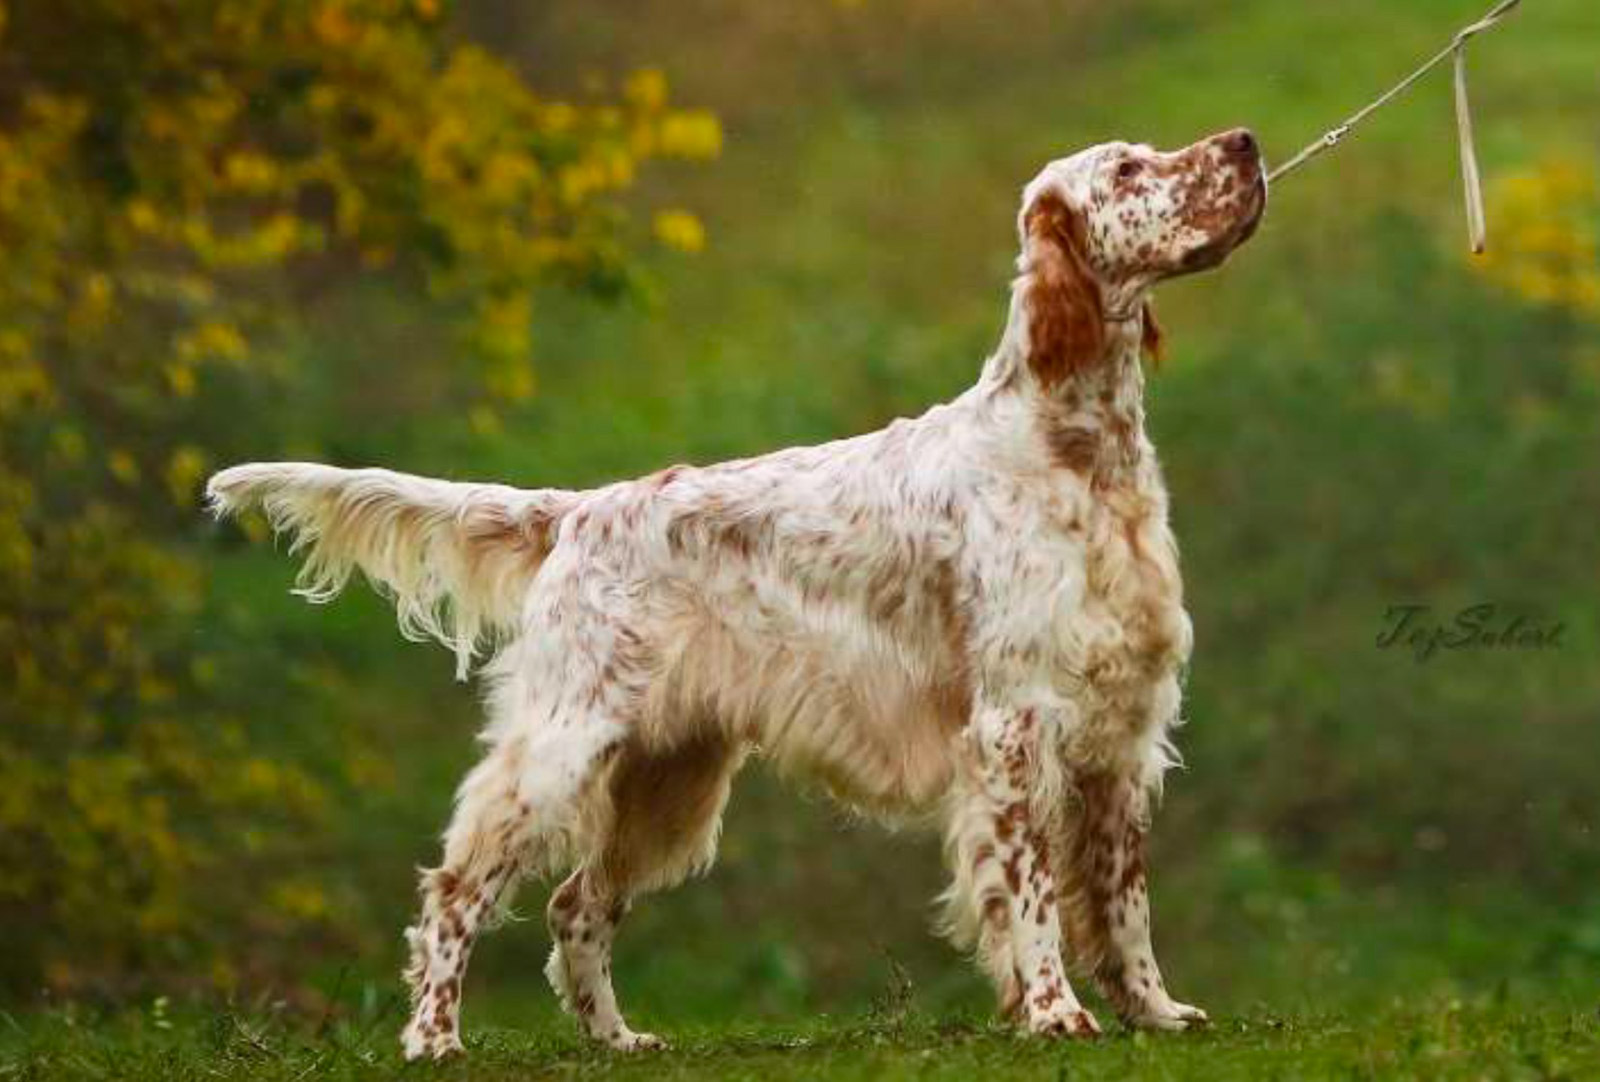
1151 339
1066 318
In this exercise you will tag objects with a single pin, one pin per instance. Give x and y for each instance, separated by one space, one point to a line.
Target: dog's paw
418 1043
1170 1015
625 1040
1071 1024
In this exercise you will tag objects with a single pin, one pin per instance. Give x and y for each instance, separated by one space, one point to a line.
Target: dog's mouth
1214 252
1257 209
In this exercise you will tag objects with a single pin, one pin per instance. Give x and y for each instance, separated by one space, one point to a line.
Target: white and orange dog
975 615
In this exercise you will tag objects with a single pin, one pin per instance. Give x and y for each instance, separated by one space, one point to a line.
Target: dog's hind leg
662 814
516 812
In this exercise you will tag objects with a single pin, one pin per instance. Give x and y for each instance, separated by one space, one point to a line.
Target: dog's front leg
1108 901
1003 868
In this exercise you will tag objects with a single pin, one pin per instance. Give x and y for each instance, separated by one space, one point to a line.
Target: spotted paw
429 1044
1076 1024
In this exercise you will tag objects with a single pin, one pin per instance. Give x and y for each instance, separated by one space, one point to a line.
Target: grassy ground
1437 1040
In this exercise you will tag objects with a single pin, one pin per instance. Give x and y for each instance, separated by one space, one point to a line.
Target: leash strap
1457 51
1476 231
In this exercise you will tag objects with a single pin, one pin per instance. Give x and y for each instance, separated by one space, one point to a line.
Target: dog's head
1101 227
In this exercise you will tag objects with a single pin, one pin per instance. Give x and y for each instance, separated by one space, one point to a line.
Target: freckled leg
665 810
583 917
510 809
1108 908
1003 866
456 903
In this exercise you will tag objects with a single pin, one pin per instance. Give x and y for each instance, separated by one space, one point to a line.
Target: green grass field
1423 1040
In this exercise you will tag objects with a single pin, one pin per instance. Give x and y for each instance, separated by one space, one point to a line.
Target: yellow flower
184 470
646 88
180 377
212 339
123 466
332 26
559 117
143 216
250 171
691 133
97 290
681 230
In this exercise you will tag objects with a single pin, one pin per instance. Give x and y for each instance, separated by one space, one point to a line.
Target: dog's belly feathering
867 707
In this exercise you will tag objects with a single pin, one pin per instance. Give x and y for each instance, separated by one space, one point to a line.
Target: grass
1445 1039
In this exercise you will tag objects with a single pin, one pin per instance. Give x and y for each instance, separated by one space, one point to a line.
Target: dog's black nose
1239 141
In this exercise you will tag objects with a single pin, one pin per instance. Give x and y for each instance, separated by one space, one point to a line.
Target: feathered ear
1066 319
1151 339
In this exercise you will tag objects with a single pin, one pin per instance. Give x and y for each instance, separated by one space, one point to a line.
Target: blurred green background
562 243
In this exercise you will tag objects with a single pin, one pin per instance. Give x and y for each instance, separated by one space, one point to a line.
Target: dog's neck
1092 421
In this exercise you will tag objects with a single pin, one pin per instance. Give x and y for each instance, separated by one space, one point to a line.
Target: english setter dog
973 616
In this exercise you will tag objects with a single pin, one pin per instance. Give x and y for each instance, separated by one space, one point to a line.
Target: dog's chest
1131 622
1108 562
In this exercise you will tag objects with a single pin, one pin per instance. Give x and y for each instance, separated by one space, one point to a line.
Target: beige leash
1469 157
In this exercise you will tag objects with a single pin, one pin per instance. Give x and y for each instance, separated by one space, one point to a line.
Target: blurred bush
1547 225
179 183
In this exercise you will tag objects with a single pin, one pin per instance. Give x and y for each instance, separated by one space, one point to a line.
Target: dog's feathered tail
455 558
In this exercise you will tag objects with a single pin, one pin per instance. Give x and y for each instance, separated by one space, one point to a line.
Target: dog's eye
1129 168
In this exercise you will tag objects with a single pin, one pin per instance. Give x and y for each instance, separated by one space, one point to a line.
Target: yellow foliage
162 184
1547 236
